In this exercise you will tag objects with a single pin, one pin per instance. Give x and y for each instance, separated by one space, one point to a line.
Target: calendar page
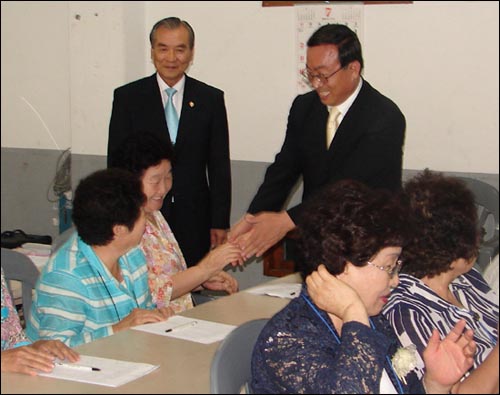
310 17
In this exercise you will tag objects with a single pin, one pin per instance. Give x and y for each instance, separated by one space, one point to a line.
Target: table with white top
184 365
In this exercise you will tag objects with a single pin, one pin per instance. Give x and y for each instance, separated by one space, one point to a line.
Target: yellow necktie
331 127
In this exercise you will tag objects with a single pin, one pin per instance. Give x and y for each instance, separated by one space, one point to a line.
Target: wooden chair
275 262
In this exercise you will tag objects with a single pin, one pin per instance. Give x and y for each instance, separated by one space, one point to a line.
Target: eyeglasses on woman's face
390 270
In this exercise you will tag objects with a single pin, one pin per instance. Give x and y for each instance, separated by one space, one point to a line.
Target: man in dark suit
198 206
367 145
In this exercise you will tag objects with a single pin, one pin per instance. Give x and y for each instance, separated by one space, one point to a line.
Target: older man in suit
367 144
198 206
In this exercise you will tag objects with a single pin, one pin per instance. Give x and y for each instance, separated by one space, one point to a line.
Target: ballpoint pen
187 324
78 367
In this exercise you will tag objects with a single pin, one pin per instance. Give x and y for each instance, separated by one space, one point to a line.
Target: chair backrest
486 197
231 365
62 238
19 267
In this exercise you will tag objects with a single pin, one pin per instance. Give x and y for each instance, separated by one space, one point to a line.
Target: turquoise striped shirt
76 298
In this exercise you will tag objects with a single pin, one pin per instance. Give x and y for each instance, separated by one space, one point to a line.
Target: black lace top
298 353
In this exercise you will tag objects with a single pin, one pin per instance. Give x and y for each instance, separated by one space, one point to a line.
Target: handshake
255 234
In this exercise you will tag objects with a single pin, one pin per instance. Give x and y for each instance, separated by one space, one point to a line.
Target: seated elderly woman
170 281
332 339
19 355
439 285
96 283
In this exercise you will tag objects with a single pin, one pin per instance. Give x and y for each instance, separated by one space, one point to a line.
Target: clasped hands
255 234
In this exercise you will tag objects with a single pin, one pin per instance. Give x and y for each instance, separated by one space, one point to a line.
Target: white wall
437 60
35 75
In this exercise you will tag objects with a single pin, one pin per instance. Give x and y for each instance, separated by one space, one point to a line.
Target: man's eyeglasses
315 78
390 270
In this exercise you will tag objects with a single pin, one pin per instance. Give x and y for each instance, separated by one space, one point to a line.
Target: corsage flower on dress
404 361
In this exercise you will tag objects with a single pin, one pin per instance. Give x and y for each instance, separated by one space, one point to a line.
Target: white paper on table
281 290
201 331
113 372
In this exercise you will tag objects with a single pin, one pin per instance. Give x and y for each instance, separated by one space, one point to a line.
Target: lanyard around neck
336 336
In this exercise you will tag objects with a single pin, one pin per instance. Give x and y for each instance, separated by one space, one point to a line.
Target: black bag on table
16 238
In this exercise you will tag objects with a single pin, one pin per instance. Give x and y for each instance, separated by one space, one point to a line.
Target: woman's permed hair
443 216
349 221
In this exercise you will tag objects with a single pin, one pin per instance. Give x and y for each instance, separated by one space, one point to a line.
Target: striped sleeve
135 272
65 311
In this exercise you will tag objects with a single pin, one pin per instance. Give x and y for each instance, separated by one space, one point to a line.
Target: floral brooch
404 361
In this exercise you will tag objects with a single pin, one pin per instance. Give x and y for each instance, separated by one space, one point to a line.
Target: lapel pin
191 104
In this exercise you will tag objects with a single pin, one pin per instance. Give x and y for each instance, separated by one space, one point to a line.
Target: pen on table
292 293
78 367
187 324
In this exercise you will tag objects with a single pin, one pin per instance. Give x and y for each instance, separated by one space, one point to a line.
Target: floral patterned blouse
164 258
12 332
